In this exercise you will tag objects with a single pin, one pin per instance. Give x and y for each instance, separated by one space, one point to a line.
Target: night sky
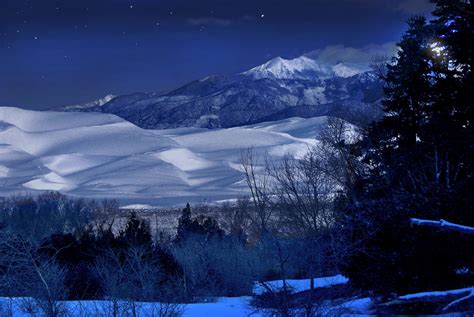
56 52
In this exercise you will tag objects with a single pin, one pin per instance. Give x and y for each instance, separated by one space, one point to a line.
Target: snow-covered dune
101 155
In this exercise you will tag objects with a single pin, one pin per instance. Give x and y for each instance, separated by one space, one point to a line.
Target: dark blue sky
55 52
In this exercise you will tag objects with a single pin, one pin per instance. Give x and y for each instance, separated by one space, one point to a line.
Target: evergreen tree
407 89
452 113
200 227
137 231
419 163
184 223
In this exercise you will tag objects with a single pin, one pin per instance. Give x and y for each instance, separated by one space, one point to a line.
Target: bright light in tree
437 48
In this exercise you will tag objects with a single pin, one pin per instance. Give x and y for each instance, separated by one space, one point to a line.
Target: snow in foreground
224 306
101 155
234 306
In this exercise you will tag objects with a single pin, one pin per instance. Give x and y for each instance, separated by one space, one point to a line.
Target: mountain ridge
274 87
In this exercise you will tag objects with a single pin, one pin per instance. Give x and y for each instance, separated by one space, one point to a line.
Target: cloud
208 21
409 7
335 54
415 6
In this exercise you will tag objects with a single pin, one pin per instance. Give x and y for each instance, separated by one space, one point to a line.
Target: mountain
92 104
275 88
100 155
298 68
303 68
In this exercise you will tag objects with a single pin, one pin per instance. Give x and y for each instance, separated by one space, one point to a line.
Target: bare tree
234 217
259 184
111 272
35 218
129 278
379 64
308 188
304 194
35 277
335 152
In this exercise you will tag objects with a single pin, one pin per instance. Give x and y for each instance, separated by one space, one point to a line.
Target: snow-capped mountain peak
298 68
303 67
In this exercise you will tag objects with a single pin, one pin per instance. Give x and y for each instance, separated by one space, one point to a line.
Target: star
35 37
131 6
262 16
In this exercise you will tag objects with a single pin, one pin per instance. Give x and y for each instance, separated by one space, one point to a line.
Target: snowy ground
232 306
101 155
224 306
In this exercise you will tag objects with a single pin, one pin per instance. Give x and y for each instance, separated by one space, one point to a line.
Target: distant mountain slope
271 89
92 104
101 155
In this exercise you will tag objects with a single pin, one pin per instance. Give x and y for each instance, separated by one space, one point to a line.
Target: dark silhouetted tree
419 163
